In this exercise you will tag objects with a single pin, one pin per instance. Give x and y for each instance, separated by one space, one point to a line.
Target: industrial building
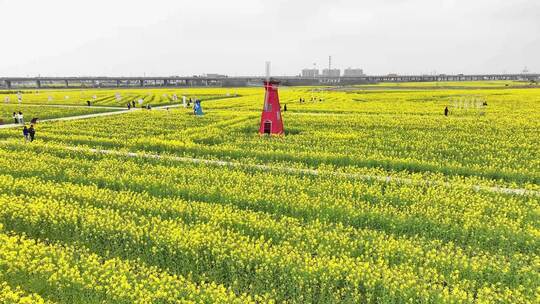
350 72
331 73
310 73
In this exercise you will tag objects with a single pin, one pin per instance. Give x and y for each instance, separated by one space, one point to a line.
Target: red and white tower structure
271 120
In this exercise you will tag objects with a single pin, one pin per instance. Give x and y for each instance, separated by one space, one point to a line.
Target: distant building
310 73
350 72
331 72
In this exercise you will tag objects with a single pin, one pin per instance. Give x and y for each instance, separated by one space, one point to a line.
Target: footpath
86 116
387 179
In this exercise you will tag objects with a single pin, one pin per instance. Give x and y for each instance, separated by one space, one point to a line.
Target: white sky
235 37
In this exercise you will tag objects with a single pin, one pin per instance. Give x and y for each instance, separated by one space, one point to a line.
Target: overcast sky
235 37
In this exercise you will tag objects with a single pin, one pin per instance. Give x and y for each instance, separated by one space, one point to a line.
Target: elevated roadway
194 81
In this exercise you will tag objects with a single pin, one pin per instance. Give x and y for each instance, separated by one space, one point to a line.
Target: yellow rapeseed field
372 196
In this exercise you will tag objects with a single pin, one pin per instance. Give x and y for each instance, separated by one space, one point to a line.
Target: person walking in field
32 133
88 102
133 103
21 118
129 105
285 108
16 117
446 111
26 134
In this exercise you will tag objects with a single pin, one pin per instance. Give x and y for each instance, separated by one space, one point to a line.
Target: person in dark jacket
446 111
133 103
26 133
285 108
129 105
32 132
88 102
16 117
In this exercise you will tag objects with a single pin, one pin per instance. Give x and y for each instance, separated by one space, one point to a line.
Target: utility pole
267 71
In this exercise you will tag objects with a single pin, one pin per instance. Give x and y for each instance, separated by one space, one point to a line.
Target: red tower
271 121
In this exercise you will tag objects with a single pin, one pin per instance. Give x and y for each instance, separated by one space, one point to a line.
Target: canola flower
76 225
231 238
118 97
9 294
29 112
396 131
69 273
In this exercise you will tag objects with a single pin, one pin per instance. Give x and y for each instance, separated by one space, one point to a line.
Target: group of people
18 117
302 100
132 104
29 133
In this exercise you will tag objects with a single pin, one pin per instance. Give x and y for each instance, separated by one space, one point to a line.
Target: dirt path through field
86 116
266 167
67 106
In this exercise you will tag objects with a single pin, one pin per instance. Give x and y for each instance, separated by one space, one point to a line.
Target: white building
331 72
350 72
310 73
